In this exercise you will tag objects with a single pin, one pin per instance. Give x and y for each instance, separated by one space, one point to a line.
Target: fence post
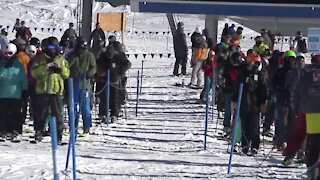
72 140
137 101
235 126
207 111
54 143
141 75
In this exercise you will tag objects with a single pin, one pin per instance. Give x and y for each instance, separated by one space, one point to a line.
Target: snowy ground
165 141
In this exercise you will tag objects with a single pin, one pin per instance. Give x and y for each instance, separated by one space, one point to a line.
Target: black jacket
180 45
254 90
98 38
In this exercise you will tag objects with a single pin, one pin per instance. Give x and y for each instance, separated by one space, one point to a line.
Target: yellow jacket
24 59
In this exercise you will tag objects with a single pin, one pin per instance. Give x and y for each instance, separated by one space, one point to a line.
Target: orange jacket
24 59
201 54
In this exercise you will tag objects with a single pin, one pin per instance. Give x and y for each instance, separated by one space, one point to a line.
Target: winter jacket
254 91
24 33
201 54
3 42
98 37
180 45
261 49
24 59
13 79
118 65
230 75
50 81
194 42
267 40
31 79
208 67
82 64
69 34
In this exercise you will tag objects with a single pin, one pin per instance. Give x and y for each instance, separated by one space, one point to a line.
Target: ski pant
82 104
50 114
24 109
10 116
227 108
43 103
280 116
296 139
32 104
312 149
183 63
203 93
114 103
269 114
196 77
250 122
122 91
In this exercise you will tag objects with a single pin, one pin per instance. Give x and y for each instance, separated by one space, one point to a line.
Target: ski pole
235 126
213 92
108 97
137 101
54 142
207 111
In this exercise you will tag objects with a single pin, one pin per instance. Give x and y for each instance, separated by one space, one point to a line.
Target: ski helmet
10 50
236 59
35 41
180 25
81 42
31 50
52 47
198 30
254 59
20 43
112 39
301 55
288 54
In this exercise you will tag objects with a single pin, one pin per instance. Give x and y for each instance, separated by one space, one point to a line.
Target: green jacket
80 66
49 82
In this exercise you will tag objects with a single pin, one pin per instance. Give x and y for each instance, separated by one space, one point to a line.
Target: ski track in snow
165 141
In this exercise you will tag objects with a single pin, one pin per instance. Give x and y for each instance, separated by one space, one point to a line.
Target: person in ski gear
209 40
236 37
259 46
209 66
282 97
231 30
310 86
254 98
225 31
180 50
16 25
82 69
23 32
194 42
3 39
266 38
201 55
13 85
98 40
50 70
70 34
299 44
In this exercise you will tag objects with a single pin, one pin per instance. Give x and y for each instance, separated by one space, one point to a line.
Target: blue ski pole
137 103
54 142
207 111
235 126
108 97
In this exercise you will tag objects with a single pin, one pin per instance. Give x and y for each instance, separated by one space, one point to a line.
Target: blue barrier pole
213 91
108 97
207 111
54 142
141 76
235 126
137 103
72 139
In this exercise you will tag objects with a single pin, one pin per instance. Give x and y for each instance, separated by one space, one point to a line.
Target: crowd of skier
35 74
278 88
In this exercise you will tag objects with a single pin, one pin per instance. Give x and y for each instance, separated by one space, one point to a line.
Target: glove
24 94
57 70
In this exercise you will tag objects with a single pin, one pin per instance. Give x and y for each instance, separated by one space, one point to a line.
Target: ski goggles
52 47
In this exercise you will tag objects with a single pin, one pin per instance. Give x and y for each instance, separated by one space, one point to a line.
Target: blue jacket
13 80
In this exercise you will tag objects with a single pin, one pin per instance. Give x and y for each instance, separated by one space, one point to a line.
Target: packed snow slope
165 140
